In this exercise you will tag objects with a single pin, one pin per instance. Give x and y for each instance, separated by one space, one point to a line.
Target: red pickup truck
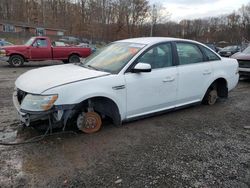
41 48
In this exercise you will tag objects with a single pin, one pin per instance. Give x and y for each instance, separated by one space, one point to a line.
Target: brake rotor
212 98
89 122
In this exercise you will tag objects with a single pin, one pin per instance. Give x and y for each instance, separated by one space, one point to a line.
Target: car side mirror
142 67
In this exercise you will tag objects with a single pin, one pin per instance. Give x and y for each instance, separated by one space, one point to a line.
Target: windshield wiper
92 67
88 66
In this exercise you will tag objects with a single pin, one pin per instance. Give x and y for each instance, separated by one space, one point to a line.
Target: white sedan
126 80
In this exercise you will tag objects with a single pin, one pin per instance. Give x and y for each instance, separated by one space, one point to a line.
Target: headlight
2 52
38 102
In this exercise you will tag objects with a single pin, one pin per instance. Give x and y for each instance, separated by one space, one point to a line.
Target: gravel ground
201 146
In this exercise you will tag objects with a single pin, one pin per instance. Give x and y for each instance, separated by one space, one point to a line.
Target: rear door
40 50
195 72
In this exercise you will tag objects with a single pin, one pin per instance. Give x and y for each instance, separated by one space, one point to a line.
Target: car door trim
160 111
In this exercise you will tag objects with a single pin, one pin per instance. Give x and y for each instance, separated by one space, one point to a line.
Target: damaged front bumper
56 117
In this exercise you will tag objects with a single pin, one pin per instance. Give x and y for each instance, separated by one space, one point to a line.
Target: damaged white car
126 80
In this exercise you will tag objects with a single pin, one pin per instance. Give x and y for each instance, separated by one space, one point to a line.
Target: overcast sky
191 9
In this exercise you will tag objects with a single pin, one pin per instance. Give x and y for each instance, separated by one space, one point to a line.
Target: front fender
16 53
78 92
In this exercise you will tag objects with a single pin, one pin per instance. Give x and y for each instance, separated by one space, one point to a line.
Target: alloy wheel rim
16 61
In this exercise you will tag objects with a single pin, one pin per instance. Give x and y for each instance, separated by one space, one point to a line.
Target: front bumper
28 117
56 117
4 58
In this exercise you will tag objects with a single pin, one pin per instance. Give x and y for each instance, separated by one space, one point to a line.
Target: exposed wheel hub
89 122
212 97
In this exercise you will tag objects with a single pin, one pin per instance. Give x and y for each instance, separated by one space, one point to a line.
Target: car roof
40 37
153 40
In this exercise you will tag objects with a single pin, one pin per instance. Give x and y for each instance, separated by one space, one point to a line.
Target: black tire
211 96
74 59
65 61
16 61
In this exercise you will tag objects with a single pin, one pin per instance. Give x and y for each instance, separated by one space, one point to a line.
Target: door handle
207 72
169 79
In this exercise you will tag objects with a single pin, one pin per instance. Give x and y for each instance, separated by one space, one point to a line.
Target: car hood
14 47
39 80
241 56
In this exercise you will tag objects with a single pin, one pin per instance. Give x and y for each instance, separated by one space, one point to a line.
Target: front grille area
20 95
244 63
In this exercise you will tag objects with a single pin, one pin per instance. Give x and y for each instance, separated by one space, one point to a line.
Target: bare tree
107 20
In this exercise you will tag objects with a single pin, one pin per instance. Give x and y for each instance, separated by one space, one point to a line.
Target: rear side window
210 55
188 53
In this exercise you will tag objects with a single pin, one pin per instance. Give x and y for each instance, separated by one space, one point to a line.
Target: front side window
188 53
113 57
41 43
159 56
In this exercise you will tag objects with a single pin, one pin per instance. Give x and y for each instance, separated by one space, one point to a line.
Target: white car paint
143 93
158 88
38 80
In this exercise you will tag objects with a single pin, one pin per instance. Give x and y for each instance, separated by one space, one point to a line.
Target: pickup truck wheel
89 122
74 59
65 61
16 61
211 97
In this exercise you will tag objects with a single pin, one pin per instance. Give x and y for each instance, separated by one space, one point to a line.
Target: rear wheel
89 122
74 59
16 61
211 96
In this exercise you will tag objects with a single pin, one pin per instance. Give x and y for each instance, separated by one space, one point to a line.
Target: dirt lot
202 146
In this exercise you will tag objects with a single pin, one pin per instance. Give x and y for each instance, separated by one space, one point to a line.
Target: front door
156 90
40 50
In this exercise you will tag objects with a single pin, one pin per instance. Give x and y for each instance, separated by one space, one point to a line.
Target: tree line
108 20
